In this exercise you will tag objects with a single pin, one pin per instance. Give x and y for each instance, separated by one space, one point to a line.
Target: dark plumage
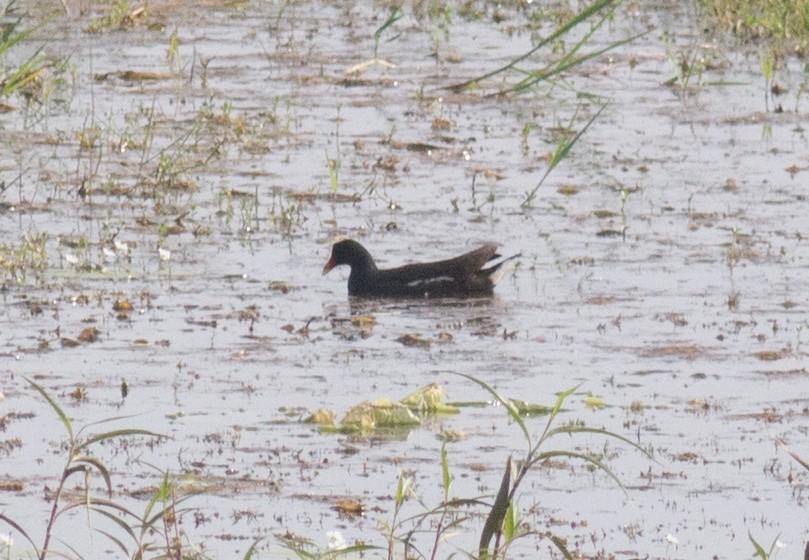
463 276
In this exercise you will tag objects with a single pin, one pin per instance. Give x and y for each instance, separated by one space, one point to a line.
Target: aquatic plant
563 147
502 526
394 15
158 523
29 256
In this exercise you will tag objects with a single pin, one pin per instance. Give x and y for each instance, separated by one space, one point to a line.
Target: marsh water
196 160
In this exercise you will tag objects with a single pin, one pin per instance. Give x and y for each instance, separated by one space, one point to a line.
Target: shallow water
669 283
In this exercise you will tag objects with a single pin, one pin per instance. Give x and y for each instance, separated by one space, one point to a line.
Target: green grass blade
571 429
593 8
59 412
401 489
393 17
125 432
446 479
510 523
248 555
759 551
494 522
557 407
512 410
567 62
575 455
158 494
562 150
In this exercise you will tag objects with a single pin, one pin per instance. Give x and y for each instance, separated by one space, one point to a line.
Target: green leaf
401 489
124 432
494 522
248 555
512 410
59 412
590 10
759 551
445 476
562 149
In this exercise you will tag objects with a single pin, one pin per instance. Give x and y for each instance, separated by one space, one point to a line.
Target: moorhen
462 276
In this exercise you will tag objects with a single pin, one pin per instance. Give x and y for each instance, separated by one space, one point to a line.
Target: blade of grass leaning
560 544
557 407
248 555
792 454
512 410
124 432
12 40
14 525
575 455
69 547
25 73
353 549
98 465
759 551
59 412
107 512
394 16
494 522
567 62
116 541
593 8
571 429
562 149
158 494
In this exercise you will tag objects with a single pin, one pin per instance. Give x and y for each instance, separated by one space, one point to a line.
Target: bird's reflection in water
416 322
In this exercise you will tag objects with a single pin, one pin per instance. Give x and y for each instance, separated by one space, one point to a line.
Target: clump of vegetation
28 257
418 529
16 76
120 16
784 22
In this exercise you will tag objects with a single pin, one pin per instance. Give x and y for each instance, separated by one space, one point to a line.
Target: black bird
463 276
